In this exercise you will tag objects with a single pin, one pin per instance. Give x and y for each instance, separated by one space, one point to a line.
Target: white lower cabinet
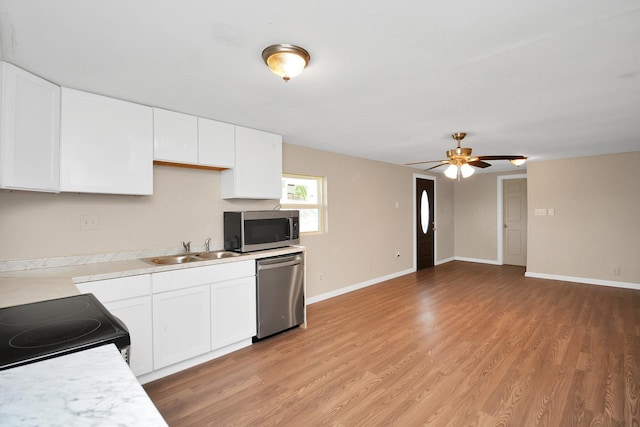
129 299
179 318
181 325
201 309
136 315
233 311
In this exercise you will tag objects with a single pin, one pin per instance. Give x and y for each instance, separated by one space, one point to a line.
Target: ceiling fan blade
437 166
479 164
504 157
428 161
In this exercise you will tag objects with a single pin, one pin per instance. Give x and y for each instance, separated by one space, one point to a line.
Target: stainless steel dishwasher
280 293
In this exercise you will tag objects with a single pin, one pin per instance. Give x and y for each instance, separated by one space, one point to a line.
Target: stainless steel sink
217 255
194 257
174 259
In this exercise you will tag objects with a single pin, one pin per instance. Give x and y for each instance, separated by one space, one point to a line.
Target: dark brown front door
425 223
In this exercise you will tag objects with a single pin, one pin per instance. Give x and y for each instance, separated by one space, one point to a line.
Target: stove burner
54 333
31 314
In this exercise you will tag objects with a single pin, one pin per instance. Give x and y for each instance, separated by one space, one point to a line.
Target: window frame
320 206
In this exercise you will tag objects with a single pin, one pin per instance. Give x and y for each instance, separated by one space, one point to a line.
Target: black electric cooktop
42 330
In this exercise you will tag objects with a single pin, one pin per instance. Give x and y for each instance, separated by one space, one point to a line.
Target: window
305 193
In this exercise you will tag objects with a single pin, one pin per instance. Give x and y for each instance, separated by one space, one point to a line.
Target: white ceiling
388 81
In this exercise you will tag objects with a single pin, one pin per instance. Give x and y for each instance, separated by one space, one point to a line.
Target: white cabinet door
181 325
216 143
175 136
136 315
258 169
129 299
233 311
106 145
30 131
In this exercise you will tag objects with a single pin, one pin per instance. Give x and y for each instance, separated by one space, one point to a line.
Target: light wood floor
460 344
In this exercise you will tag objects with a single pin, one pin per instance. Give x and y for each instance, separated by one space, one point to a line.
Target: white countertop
93 387
26 286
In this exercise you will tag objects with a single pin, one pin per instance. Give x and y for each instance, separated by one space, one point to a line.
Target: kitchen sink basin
174 259
194 257
217 255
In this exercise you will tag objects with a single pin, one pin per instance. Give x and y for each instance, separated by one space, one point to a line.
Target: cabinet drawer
117 289
195 276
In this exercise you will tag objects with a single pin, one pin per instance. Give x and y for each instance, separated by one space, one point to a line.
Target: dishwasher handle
286 261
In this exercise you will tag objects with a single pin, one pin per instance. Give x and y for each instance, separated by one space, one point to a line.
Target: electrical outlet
89 222
616 271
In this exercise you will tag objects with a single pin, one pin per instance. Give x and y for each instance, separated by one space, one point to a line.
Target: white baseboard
611 283
478 260
189 363
446 260
357 286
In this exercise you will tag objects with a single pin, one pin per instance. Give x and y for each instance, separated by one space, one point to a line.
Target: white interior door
514 217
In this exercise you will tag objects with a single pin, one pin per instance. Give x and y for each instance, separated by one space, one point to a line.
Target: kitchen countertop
26 286
92 387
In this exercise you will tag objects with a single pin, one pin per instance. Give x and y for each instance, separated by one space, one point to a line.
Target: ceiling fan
460 160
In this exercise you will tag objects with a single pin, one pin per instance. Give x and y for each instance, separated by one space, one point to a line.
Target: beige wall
365 227
596 226
595 229
185 206
445 249
476 216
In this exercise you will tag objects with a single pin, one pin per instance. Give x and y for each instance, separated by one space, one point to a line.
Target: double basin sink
191 257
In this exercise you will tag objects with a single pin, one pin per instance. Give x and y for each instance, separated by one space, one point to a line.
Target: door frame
500 229
415 220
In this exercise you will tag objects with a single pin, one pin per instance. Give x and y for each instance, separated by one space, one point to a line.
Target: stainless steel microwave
248 231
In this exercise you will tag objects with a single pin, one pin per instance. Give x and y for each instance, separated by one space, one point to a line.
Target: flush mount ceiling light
286 60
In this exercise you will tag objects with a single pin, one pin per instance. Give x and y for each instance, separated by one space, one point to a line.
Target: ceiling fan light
518 162
451 172
466 170
286 60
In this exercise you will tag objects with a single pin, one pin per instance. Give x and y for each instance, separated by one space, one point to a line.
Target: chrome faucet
207 245
186 246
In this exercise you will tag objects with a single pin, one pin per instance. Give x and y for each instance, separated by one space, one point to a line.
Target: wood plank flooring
461 344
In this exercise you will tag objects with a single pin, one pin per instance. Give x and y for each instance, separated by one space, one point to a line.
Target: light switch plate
541 212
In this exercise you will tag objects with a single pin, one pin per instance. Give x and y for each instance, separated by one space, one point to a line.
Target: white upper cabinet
106 145
182 138
29 131
258 166
216 143
175 136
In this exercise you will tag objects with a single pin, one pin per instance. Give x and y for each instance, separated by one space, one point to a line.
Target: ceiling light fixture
518 162
458 168
286 60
